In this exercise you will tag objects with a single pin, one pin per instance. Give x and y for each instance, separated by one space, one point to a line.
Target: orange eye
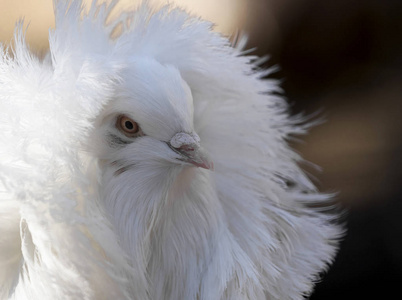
127 126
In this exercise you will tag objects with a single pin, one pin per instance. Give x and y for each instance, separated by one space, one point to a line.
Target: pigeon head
150 120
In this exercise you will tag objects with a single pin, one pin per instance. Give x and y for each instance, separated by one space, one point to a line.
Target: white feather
89 213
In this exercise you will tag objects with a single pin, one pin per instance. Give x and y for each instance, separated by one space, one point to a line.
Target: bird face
150 121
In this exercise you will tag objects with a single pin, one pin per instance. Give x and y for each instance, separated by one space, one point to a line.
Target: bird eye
127 126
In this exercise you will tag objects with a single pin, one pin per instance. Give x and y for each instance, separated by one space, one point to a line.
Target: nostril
182 140
186 148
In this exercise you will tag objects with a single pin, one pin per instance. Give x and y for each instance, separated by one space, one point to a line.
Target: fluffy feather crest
47 108
101 221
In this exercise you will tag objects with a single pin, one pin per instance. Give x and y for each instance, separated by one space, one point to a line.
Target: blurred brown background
344 58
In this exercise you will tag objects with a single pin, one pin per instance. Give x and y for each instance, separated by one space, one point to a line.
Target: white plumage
152 165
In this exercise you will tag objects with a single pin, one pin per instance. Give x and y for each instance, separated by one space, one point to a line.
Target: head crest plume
47 108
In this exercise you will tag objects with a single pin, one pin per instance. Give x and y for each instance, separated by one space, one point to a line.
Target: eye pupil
129 125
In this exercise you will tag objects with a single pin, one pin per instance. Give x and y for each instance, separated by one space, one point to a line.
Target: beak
188 146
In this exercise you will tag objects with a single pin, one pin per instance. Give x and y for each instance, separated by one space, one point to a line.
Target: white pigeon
146 158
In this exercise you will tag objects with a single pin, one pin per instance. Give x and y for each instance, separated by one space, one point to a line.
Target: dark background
344 58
